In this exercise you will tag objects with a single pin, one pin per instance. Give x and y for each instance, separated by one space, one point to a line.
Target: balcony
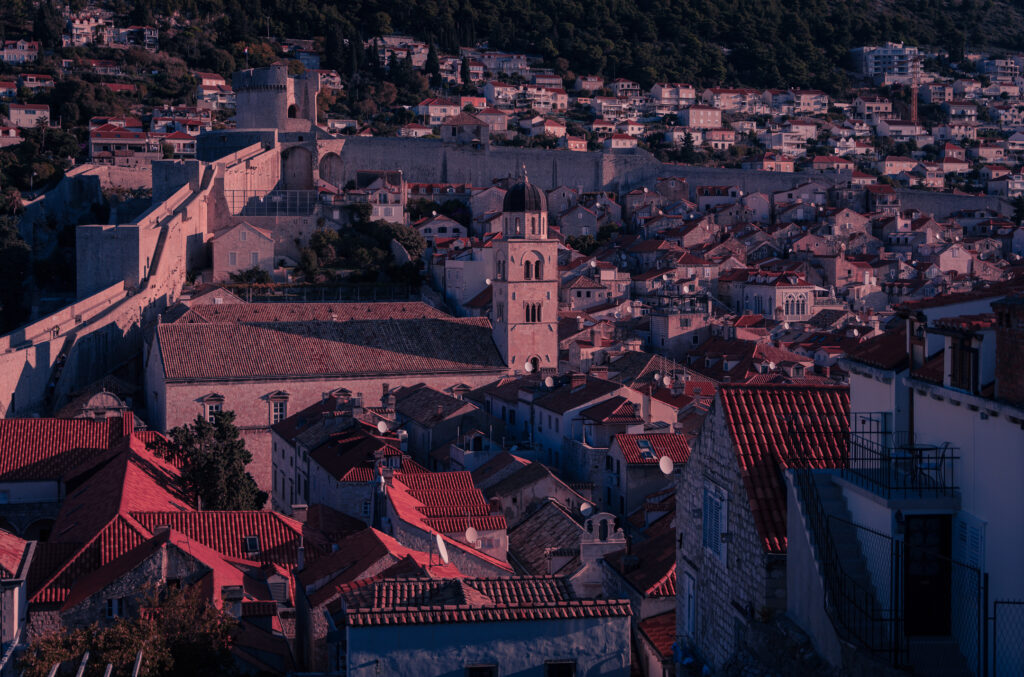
897 465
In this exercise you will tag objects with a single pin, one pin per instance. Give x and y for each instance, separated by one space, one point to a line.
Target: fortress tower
269 98
524 307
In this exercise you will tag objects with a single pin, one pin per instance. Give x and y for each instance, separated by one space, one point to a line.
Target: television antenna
442 549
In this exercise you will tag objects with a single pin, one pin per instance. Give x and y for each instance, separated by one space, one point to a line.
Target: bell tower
524 303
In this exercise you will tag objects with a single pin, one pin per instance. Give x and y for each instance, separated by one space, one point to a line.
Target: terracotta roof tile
783 426
647 449
660 631
425 601
217 351
47 448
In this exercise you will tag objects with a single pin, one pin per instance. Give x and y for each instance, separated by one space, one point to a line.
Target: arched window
292 111
538 271
527 270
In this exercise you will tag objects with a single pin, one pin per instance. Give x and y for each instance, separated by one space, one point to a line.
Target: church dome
525 197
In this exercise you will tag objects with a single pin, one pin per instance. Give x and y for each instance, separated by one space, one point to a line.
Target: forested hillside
755 42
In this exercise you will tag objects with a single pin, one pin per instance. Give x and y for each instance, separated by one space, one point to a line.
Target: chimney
677 386
161 529
599 371
357 406
232 598
300 512
300 558
579 323
1010 349
384 395
577 379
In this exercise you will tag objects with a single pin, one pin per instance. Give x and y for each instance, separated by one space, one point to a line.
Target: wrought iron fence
898 463
288 293
1007 638
852 601
273 203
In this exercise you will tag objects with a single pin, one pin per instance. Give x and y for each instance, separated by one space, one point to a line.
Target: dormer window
251 545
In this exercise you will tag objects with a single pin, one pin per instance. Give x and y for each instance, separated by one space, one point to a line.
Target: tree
432 67
213 459
1018 208
253 275
689 152
181 634
464 74
15 264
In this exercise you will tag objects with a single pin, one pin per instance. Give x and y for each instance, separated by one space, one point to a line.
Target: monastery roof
226 350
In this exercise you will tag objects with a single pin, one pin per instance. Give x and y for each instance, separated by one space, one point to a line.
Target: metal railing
1007 638
898 464
272 203
854 605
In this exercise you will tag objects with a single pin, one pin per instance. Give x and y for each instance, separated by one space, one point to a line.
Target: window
481 671
560 669
278 411
527 270
115 607
241 235
251 545
212 409
254 259
689 606
366 509
714 520
232 258
512 417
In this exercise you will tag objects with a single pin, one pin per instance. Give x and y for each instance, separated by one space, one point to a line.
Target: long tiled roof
47 448
247 313
885 351
783 426
425 600
225 532
617 410
215 351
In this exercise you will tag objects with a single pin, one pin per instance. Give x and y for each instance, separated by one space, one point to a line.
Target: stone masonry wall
726 592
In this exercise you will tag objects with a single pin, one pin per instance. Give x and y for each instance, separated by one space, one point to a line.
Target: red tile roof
225 532
12 550
886 351
617 410
783 426
424 600
660 631
634 448
47 448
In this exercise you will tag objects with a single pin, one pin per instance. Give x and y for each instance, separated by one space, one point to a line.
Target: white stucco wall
600 646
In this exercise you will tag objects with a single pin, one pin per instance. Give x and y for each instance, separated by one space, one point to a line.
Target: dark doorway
927 575
292 111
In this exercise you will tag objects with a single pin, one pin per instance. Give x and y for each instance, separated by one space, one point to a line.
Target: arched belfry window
527 270
538 271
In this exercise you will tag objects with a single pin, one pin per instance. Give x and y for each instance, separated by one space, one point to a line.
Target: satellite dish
528 366
471 535
549 382
382 427
667 380
442 549
593 263
488 282
666 465
586 509
657 376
